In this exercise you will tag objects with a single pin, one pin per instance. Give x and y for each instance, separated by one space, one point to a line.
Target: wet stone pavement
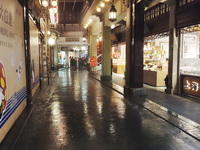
77 112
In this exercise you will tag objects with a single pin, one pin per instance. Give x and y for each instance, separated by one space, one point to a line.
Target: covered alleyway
77 112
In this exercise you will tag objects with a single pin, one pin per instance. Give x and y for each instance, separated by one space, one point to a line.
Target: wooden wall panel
188 15
158 24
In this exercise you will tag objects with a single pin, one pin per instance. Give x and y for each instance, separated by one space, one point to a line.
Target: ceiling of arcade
71 13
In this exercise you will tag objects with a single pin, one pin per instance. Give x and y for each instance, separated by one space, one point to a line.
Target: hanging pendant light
45 3
113 13
54 2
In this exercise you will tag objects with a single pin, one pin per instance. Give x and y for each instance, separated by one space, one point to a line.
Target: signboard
93 61
72 39
12 64
191 85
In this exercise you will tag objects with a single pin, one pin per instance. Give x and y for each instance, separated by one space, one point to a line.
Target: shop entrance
156 56
119 59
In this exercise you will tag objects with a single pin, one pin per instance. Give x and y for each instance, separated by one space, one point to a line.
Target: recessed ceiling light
102 4
98 9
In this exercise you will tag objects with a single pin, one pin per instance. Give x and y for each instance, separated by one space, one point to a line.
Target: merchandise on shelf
155 57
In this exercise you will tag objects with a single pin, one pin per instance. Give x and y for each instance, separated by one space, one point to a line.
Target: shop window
156 54
190 59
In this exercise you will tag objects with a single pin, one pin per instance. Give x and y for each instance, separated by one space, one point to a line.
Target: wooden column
27 52
134 50
173 53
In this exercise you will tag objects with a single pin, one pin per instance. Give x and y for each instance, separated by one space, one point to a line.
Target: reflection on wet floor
77 112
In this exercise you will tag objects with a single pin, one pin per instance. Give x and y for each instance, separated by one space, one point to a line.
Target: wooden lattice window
157 11
152 14
183 2
162 9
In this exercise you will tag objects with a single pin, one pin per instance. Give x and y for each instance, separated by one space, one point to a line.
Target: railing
99 59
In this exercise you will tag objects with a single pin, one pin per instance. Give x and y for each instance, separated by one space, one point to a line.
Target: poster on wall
12 60
190 46
2 89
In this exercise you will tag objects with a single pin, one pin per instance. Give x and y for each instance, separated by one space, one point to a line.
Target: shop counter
154 78
119 69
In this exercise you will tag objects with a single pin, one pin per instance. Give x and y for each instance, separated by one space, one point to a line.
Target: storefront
190 60
62 62
156 50
119 58
118 50
187 22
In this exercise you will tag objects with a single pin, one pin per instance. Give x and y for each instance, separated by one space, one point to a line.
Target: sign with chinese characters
12 64
72 39
191 85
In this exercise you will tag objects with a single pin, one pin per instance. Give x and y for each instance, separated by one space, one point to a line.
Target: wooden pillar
27 52
134 50
106 54
173 53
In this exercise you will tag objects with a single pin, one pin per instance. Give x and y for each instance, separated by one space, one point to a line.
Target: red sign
93 61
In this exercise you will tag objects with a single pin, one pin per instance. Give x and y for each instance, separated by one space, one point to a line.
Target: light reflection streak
99 106
59 125
112 128
62 74
85 107
90 128
88 122
120 106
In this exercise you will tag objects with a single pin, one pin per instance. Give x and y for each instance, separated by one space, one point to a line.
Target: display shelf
154 61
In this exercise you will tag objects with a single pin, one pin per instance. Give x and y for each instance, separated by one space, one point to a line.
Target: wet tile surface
187 107
77 112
